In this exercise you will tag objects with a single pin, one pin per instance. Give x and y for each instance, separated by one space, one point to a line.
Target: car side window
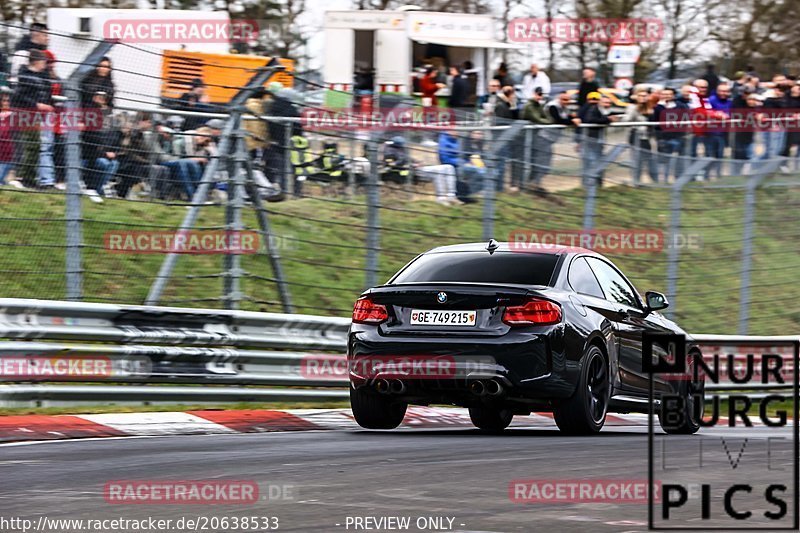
616 288
582 280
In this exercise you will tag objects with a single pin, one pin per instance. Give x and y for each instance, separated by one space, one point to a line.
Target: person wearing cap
593 136
216 126
175 122
541 147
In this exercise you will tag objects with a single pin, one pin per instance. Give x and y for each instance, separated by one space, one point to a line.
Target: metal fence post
489 185
495 167
526 158
225 145
593 170
73 215
351 176
769 167
373 216
232 262
288 168
262 215
590 179
673 252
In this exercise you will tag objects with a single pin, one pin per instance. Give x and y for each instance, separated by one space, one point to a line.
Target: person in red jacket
6 137
429 86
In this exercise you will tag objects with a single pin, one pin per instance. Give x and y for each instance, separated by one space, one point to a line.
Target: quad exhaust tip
382 386
477 388
396 386
482 388
493 388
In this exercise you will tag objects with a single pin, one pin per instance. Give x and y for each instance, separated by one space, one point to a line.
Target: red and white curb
54 427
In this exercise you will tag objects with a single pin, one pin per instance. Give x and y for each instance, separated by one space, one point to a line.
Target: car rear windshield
480 267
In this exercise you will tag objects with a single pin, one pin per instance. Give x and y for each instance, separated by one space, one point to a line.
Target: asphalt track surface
457 473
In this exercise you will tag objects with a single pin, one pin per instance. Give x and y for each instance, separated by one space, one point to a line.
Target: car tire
373 411
490 419
692 392
585 412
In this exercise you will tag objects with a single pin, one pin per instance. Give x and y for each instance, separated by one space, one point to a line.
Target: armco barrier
182 355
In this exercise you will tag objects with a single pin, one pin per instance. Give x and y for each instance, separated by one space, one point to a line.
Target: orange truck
223 74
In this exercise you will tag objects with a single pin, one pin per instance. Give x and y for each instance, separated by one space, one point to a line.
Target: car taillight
368 312
533 313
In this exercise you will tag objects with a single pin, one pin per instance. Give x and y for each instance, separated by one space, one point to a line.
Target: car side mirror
656 301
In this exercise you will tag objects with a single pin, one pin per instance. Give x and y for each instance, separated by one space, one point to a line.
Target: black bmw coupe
505 332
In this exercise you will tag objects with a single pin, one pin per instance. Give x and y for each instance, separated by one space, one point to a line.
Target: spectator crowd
128 154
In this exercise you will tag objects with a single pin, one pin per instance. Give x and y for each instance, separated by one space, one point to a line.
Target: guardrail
149 354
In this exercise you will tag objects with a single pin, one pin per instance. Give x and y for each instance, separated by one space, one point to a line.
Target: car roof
513 247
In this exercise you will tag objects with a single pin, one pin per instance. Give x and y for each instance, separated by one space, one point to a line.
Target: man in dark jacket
37 39
711 77
670 140
458 88
31 100
541 147
280 135
593 136
588 85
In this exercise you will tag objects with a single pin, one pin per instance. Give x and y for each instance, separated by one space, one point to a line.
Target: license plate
422 317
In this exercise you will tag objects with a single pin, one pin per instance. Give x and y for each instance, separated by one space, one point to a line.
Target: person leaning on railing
671 141
541 150
640 136
592 138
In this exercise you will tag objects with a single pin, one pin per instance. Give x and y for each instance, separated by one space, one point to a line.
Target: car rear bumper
529 364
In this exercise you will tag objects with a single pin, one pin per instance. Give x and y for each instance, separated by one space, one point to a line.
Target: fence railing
726 226
55 351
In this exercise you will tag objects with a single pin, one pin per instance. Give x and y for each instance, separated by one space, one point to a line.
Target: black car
507 332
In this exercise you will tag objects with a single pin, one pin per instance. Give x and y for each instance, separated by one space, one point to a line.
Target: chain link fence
247 204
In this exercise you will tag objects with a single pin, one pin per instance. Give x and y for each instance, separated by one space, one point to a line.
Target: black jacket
32 88
592 115
458 93
584 89
281 107
564 119
92 84
95 143
26 44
